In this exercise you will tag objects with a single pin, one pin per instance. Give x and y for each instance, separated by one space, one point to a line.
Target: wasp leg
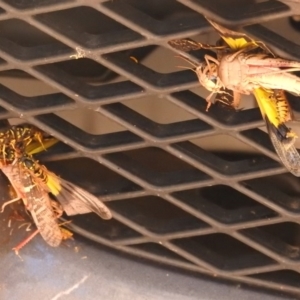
25 242
9 202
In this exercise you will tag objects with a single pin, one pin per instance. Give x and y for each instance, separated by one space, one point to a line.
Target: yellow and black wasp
36 201
16 138
33 183
245 66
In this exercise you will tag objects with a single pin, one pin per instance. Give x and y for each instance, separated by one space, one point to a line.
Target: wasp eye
213 79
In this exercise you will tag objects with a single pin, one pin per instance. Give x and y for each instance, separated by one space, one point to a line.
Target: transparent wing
76 200
276 111
285 149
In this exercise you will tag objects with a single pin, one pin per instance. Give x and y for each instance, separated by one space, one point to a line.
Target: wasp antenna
65 223
39 138
186 68
195 65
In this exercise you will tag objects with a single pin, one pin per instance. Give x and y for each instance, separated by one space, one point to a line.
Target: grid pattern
234 215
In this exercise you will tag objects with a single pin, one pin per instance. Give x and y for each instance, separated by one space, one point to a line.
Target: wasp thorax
27 163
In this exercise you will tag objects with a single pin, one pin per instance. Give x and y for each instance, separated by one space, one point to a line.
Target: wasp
73 199
36 201
17 138
243 66
33 183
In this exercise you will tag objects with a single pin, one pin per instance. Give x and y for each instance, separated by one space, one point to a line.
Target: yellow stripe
36 147
238 43
266 105
53 183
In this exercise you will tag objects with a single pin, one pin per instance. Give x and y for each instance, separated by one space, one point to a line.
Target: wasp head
208 77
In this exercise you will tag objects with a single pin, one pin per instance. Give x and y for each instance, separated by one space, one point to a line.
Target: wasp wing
238 40
285 149
76 200
282 138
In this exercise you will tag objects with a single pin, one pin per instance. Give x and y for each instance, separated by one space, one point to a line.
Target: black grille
175 198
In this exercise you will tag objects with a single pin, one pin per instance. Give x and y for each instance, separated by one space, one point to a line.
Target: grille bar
95 84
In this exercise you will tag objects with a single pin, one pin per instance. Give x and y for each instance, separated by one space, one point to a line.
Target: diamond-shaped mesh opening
73 134
88 27
90 87
225 204
242 9
85 70
259 137
159 251
24 41
156 75
168 11
33 4
156 129
22 95
156 215
25 84
134 130
161 66
94 177
278 26
223 252
282 238
281 190
157 17
156 166
111 230
157 110
226 163
230 143
90 121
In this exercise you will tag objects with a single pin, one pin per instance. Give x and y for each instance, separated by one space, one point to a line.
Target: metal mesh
234 214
